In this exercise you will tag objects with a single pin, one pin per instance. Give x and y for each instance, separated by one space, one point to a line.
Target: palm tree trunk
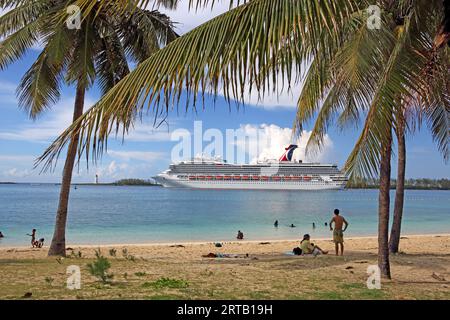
394 240
58 245
383 208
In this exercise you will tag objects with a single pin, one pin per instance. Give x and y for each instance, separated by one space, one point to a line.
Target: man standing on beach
338 232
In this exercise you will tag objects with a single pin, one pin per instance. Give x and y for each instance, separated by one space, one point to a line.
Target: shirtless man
338 232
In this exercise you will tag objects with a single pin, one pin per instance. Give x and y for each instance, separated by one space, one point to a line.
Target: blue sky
147 150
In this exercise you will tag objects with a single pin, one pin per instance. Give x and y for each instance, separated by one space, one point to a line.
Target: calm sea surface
109 214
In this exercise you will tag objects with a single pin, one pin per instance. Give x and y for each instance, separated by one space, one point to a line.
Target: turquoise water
109 214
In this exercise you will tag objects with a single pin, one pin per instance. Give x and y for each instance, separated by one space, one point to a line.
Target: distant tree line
135 182
419 184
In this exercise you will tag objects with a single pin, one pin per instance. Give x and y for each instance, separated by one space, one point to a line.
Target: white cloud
7 93
189 19
47 129
17 158
16 173
143 132
135 155
271 140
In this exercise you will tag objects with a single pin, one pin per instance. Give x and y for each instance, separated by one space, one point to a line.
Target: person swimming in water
1 235
292 225
275 224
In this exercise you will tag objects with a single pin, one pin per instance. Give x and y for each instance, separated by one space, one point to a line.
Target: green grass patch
360 291
166 283
165 297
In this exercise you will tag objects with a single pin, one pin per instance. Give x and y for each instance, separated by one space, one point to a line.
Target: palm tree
99 50
354 86
394 239
355 73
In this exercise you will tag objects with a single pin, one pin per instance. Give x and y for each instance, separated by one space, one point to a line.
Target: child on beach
33 237
338 232
309 248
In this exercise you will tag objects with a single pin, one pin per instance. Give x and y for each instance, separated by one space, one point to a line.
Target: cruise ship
284 174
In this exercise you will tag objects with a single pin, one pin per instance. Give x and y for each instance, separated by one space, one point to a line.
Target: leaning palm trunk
383 208
394 240
58 245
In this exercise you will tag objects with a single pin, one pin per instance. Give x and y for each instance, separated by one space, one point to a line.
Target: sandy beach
249 270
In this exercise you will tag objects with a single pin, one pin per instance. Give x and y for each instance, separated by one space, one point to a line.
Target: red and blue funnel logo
287 155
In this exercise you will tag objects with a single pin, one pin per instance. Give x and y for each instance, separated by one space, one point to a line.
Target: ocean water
111 215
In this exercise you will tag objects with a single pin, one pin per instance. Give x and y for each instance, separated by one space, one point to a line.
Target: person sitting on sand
39 243
240 235
338 232
309 248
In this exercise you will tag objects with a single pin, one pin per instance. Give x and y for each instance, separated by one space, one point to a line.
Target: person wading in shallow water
338 232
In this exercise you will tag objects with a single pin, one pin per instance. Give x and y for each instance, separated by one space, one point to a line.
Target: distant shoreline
114 184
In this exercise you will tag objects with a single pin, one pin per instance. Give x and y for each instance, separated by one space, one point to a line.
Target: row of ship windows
256 171
277 178
262 182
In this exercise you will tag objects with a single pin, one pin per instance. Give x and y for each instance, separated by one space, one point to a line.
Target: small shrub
112 252
140 274
74 254
128 256
99 268
49 280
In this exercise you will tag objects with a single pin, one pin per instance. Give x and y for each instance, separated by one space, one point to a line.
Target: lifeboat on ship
201 178
286 178
256 177
245 177
307 178
226 177
192 178
265 178
296 178
236 177
219 177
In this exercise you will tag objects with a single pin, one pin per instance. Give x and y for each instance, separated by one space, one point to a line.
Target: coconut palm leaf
221 55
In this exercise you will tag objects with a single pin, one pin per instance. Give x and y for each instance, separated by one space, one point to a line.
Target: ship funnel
287 155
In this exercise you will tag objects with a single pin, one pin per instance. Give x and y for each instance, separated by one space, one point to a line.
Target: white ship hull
283 174
173 182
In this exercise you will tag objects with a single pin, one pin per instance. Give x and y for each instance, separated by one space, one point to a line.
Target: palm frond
222 54
40 86
14 46
21 16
